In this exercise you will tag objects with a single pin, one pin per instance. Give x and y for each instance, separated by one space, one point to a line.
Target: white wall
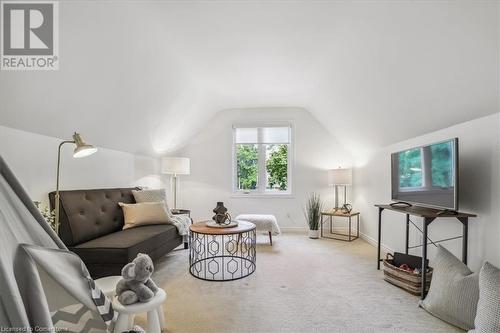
144 67
479 145
33 159
315 151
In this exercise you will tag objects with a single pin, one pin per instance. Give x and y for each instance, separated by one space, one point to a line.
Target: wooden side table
222 254
329 217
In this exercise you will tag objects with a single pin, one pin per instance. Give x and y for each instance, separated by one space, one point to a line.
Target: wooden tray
213 224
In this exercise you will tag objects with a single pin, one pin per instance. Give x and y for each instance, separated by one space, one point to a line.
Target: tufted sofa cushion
123 246
106 255
89 214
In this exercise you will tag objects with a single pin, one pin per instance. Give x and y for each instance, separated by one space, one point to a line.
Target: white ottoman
265 223
154 309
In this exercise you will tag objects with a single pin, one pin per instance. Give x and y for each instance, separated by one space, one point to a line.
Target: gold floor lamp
82 149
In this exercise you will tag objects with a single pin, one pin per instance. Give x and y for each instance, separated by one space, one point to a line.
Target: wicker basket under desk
407 281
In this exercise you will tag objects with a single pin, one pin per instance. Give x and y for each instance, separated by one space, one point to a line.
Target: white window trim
261 191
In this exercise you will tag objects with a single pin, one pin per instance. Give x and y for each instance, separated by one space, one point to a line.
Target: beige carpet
300 285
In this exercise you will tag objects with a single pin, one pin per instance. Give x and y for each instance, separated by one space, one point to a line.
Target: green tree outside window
247 166
277 167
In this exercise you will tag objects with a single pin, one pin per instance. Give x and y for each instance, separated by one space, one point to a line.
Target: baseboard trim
365 237
305 229
373 242
294 229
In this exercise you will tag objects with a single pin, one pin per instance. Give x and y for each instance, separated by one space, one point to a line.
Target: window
262 160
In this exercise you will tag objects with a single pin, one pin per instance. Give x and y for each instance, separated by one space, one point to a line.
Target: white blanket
262 222
182 223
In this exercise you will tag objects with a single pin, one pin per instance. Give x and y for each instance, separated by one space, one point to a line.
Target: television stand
400 204
428 215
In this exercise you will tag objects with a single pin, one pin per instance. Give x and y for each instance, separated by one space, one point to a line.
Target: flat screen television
427 175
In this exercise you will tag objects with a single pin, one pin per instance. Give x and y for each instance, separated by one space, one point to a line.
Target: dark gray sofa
91 225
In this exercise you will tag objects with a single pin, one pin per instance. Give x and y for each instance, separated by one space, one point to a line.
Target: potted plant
48 215
312 212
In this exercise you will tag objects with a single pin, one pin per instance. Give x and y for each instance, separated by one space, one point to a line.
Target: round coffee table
222 254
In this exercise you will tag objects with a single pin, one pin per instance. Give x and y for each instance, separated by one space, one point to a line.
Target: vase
314 234
221 215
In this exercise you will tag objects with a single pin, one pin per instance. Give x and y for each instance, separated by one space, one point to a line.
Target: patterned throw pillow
152 196
454 291
488 308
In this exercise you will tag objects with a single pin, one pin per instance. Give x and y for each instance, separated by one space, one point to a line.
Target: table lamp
82 149
339 177
175 166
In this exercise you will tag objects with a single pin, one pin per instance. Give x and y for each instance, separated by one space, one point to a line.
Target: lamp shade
340 177
176 165
82 149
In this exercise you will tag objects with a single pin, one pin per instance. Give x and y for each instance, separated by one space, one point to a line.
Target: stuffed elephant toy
136 284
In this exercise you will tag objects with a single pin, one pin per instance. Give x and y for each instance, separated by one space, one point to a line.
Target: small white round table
154 309
108 284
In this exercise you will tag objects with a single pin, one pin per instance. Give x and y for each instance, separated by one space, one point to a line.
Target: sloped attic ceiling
145 76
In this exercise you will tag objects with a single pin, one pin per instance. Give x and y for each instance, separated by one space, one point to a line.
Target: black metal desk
428 215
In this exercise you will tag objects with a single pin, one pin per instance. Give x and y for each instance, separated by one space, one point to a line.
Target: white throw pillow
454 291
144 213
488 308
152 196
